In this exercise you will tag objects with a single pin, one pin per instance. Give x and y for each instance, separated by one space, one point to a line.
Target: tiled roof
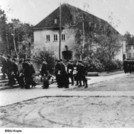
69 14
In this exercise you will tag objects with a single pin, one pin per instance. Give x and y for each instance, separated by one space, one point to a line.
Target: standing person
64 75
45 74
58 73
81 74
15 69
10 71
4 66
27 75
75 74
78 75
44 69
32 73
20 74
70 69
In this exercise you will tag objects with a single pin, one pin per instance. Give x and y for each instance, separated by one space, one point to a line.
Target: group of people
74 72
22 71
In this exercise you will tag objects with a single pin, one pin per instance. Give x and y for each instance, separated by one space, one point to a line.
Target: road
17 95
104 104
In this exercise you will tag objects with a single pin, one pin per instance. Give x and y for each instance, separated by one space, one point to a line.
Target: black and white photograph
66 64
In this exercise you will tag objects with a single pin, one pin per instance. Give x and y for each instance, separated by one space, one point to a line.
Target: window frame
55 37
47 38
63 37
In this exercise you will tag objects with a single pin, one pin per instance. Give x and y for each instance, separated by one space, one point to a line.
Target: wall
130 50
122 51
40 40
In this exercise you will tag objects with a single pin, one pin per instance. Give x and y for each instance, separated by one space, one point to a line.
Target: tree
20 36
108 47
128 36
3 29
42 55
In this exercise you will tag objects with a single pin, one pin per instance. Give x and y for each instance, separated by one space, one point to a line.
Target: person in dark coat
58 73
15 70
4 66
70 69
44 69
64 75
45 74
21 74
32 73
27 74
10 73
81 74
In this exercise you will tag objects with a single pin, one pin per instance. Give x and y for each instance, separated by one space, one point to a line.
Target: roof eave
47 28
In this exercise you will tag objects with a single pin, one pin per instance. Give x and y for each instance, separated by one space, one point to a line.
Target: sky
33 11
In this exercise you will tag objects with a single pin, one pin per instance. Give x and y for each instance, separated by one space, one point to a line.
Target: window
63 37
55 21
55 37
129 47
47 38
129 55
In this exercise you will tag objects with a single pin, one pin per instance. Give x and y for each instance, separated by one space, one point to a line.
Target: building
46 32
130 49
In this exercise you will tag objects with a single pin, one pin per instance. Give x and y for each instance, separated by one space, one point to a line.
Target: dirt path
75 111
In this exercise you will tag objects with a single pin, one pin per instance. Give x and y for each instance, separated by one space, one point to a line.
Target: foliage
113 65
19 33
41 55
13 34
94 65
109 46
128 36
3 27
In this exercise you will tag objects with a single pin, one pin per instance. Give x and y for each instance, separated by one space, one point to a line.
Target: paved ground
104 104
10 96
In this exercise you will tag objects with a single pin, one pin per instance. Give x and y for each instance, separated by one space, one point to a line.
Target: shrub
47 56
94 65
113 65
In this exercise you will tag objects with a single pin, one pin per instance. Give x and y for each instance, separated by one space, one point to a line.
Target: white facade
122 51
49 39
130 51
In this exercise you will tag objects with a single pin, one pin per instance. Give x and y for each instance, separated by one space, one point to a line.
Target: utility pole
60 33
83 41
13 34
8 48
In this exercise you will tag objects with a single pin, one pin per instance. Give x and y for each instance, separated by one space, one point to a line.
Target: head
44 62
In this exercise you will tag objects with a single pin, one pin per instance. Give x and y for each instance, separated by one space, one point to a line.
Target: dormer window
55 21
